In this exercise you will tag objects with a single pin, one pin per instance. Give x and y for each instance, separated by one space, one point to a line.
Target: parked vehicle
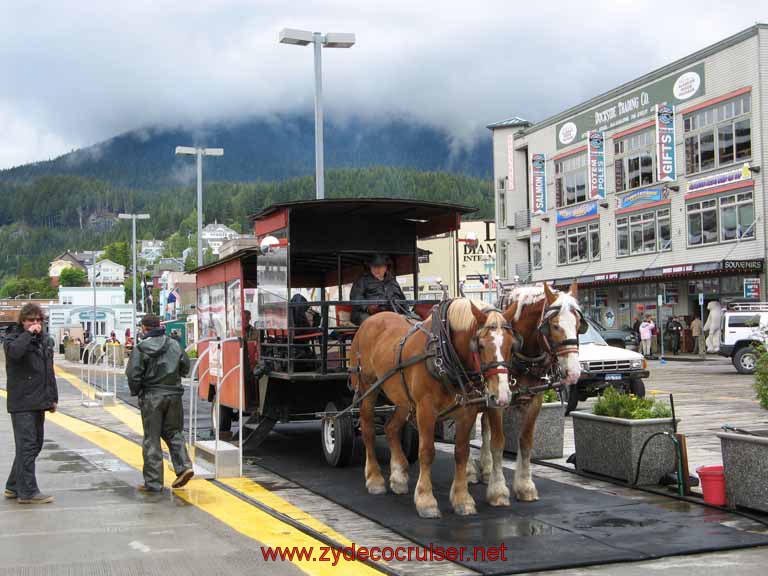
743 330
603 365
618 337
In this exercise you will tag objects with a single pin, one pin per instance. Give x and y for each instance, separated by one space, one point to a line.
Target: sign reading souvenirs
578 212
752 288
633 106
742 265
596 164
727 177
644 196
539 170
665 142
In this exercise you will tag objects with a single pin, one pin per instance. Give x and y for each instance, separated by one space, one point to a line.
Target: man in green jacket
154 374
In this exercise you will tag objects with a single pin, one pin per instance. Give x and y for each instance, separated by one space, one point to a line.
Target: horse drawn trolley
276 317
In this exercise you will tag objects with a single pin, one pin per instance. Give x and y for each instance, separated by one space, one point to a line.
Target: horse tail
353 361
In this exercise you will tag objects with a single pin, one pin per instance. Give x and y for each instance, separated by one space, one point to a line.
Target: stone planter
445 431
548 435
745 464
611 447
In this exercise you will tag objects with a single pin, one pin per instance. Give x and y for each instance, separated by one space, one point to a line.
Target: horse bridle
487 369
564 347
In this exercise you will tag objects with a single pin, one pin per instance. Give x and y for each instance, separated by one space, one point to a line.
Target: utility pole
133 218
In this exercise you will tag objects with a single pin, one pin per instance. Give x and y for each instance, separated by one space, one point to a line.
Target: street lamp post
320 40
199 152
133 218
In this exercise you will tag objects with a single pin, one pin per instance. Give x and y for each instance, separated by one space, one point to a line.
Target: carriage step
228 456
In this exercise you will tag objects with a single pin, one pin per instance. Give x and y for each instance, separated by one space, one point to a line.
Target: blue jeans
28 438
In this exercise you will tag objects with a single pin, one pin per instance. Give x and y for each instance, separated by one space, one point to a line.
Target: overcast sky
76 72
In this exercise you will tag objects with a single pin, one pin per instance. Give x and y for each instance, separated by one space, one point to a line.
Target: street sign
701 299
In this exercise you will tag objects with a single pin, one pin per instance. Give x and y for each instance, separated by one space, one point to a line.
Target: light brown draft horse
549 323
483 341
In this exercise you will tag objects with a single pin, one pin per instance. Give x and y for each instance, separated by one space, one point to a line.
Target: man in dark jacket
31 392
377 284
154 374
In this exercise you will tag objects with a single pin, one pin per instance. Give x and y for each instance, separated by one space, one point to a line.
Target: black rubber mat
567 527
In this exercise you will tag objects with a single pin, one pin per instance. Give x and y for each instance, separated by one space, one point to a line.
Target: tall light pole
320 40
133 218
199 152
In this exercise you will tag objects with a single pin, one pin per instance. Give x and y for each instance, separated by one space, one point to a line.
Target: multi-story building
214 235
76 309
107 272
151 250
651 195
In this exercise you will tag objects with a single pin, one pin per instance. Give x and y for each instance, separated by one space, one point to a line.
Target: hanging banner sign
665 143
633 106
539 173
596 164
579 212
644 196
752 288
511 162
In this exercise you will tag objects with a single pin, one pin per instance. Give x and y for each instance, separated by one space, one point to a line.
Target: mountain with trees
263 150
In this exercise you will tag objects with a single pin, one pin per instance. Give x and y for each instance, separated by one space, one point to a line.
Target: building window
536 252
578 244
502 207
635 160
66 300
718 135
643 233
571 180
501 262
702 222
737 214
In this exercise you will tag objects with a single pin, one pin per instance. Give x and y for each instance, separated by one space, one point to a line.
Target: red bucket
712 484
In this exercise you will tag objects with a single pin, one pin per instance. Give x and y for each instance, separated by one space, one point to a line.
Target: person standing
154 373
675 329
32 391
646 336
696 332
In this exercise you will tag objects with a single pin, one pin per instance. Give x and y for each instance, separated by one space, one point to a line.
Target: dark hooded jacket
29 367
157 364
368 287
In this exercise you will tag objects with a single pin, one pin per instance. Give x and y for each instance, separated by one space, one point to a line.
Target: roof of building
509 122
645 79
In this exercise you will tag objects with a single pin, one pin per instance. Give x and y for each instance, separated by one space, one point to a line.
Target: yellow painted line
225 507
131 418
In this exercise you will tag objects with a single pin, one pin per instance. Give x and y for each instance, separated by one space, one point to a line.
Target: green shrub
551 395
618 405
761 378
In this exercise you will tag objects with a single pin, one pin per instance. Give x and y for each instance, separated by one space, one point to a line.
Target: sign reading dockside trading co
665 142
633 106
539 170
596 164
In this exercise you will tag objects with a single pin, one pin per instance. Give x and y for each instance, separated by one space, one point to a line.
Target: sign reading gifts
665 143
643 196
633 106
574 213
539 177
596 164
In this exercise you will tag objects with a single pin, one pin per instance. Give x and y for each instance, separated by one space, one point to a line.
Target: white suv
743 327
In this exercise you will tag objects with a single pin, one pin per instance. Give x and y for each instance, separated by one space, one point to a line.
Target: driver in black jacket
31 392
377 284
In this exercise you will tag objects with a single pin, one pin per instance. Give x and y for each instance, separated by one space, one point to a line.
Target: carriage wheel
337 437
410 442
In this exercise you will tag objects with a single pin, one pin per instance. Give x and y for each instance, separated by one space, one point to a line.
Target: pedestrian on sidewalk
646 335
696 332
154 373
31 392
675 331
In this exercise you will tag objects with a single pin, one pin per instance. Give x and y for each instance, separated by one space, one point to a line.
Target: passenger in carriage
378 283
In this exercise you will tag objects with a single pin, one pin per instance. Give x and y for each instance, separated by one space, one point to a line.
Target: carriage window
234 318
203 312
217 328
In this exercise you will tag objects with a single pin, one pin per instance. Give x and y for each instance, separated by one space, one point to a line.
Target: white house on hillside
214 235
108 272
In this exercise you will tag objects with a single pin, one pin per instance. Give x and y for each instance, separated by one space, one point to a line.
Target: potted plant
609 440
550 427
745 454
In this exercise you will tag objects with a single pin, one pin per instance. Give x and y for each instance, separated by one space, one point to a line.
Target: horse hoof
499 500
398 487
527 493
429 512
465 509
376 487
